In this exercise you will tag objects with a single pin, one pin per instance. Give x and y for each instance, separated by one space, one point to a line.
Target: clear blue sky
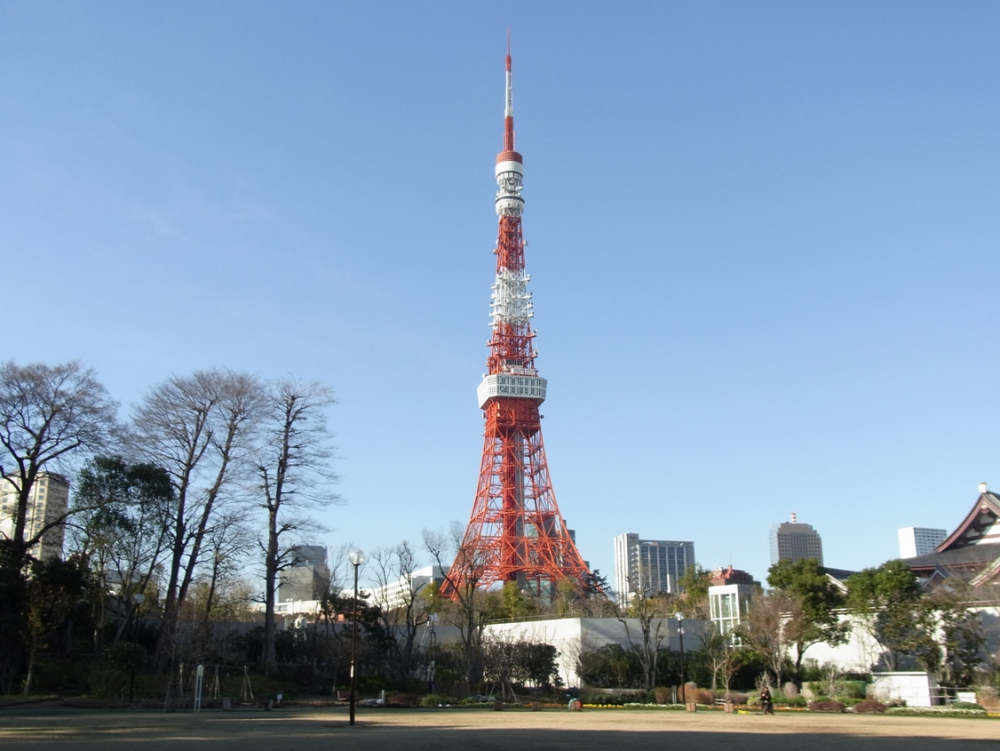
763 243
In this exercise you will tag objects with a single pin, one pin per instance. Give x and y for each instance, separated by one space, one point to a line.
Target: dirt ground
400 730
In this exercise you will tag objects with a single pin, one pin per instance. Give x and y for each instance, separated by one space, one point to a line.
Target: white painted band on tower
511 301
509 167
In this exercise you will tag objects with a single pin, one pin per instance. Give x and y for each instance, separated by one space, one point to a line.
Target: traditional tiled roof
971 552
980 521
969 556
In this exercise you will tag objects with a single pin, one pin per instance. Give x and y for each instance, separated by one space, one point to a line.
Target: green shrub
107 683
966 705
856 689
603 700
119 655
433 700
474 701
791 701
847 701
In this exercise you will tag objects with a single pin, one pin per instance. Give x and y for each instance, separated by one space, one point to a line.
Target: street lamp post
137 600
433 666
680 636
356 557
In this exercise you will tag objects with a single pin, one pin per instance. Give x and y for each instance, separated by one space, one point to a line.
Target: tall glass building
649 566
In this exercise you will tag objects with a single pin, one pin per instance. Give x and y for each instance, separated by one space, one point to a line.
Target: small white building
728 605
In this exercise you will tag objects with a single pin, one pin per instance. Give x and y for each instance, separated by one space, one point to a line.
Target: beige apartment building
48 501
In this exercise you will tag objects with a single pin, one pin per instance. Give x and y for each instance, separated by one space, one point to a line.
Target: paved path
401 730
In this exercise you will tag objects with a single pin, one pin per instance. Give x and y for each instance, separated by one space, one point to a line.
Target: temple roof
980 526
972 551
970 555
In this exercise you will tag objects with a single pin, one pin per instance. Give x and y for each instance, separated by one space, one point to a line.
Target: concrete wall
916 689
572 636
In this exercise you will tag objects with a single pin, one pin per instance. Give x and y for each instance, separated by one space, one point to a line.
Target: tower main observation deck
516 532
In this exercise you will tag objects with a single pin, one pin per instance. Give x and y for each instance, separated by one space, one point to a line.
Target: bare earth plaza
314 729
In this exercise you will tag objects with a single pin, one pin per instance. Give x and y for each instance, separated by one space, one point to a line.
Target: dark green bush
965 705
107 683
791 701
433 700
604 700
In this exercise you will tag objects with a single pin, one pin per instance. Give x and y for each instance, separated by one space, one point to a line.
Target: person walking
765 700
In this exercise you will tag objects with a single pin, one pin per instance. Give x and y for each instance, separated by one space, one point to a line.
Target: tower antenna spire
508 114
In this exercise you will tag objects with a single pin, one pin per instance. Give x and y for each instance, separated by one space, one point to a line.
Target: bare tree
227 545
723 656
766 628
199 428
469 608
650 610
46 415
293 469
402 613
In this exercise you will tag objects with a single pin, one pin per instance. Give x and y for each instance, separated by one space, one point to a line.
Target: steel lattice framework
516 532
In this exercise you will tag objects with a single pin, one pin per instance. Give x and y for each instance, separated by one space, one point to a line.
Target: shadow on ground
329 731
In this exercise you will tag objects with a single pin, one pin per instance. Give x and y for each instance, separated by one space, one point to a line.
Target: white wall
571 636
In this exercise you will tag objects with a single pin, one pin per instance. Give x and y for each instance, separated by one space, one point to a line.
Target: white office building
914 541
398 593
649 566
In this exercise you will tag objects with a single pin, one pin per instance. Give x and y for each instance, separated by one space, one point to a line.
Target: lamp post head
679 617
138 598
356 557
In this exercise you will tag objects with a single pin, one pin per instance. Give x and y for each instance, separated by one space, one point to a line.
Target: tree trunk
269 658
31 673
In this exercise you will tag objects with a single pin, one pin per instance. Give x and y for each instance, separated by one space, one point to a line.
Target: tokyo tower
516 532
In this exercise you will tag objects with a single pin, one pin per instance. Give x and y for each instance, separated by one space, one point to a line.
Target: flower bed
937 711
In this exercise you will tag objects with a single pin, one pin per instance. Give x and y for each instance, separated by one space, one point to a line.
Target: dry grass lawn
399 730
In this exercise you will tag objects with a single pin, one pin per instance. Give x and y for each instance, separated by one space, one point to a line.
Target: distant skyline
762 239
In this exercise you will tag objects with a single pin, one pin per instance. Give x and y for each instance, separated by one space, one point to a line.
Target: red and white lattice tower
516 532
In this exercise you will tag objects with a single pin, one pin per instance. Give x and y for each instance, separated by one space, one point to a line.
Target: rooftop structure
720 577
